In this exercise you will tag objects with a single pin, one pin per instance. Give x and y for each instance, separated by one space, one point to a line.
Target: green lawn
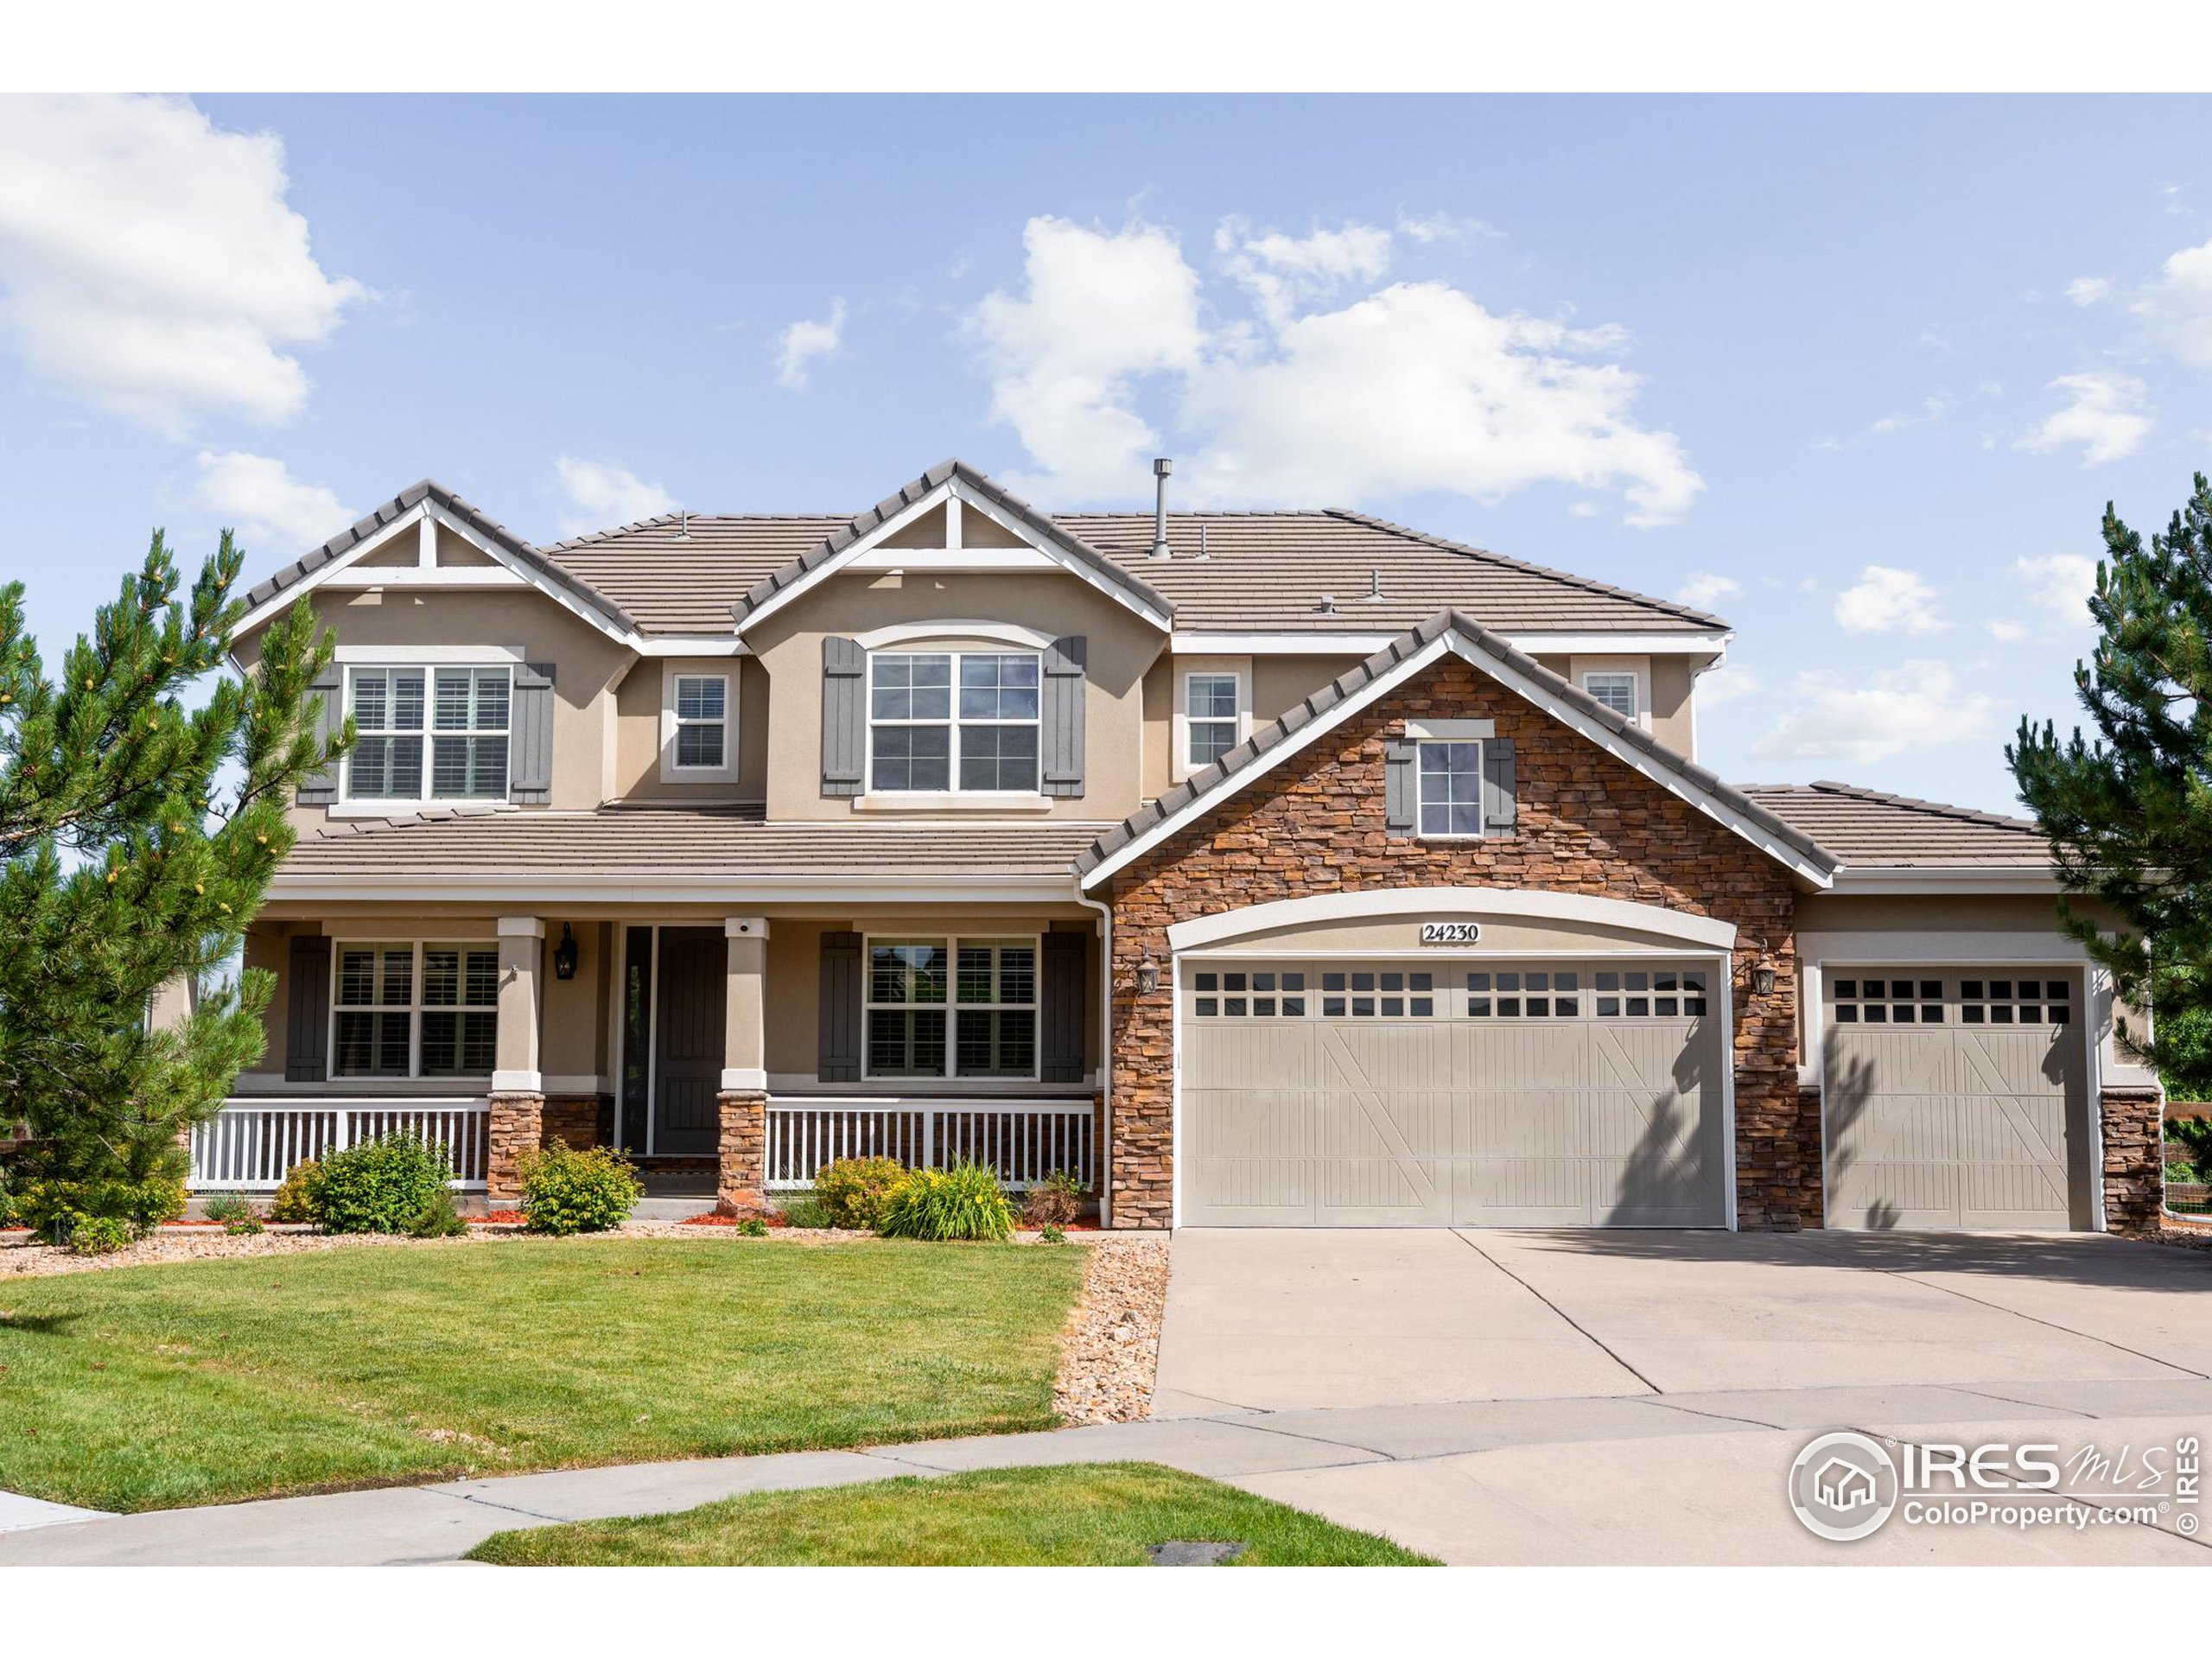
1073 1515
149 1388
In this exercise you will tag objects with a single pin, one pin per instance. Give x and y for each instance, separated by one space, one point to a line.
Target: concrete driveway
1638 1397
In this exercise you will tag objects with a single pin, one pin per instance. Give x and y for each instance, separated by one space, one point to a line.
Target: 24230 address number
1450 932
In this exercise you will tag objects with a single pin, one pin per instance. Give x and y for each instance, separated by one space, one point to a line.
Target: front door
688 1045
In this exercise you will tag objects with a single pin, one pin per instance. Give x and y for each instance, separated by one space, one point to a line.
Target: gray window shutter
1060 713
839 1054
307 1010
1497 787
1061 989
844 717
1398 796
330 685
529 741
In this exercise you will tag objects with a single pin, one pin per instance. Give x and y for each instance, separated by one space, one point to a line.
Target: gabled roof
536 564
820 560
1867 828
1455 634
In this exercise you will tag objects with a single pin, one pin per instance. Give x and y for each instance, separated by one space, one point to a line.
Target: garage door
1955 1098
1479 1094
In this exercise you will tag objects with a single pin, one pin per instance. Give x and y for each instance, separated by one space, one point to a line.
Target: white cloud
2059 584
1863 718
1725 685
2107 413
1413 387
271 510
1885 600
2177 308
1283 272
2090 290
1931 408
1704 590
799 346
1428 229
1100 309
2006 632
602 495
149 265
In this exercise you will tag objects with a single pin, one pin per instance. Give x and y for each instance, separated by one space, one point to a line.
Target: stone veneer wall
516 1129
743 1185
1588 823
2134 1165
573 1120
1812 1188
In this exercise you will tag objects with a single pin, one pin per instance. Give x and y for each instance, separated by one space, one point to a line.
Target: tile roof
405 502
1865 828
619 841
1189 797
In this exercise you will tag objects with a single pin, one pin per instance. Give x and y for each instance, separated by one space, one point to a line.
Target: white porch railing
1024 1139
248 1145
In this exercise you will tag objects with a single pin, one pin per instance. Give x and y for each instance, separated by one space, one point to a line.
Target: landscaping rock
1111 1349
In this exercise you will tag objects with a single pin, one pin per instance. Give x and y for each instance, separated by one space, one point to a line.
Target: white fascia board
647 889
1877 879
691 644
1781 851
1703 931
1317 643
282 600
921 559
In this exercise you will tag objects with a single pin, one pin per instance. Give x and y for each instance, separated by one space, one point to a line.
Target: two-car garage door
1465 1093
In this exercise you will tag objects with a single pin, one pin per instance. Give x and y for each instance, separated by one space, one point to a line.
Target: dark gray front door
688 1047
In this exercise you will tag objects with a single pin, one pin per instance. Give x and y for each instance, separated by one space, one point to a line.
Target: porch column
518 1125
742 1183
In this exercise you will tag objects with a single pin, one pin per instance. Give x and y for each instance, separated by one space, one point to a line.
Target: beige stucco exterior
639 701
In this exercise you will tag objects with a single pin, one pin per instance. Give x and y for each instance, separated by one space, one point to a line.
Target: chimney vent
684 522
1374 583
1203 552
1328 604
1161 469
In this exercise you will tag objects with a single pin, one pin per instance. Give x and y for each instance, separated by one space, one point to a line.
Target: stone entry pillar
517 1129
518 1125
741 1183
2133 1121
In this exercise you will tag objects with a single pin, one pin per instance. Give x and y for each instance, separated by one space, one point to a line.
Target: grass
150 1388
1075 1515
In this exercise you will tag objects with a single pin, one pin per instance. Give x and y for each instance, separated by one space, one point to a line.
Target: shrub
294 1200
963 1202
99 1235
807 1212
752 1227
564 1191
383 1185
227 1207
2192 1138
7 1204
439 1219
1050 1234
1054 1201
243 1226
855 1191
53 1208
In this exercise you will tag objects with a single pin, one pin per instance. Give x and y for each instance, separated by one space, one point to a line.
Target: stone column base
518 1129
742 1185
2134 1174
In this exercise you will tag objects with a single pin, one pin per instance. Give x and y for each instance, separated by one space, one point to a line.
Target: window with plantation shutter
428 734
414 1010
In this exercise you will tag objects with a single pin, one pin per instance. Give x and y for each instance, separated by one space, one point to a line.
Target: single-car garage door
1955 1098
1470 1093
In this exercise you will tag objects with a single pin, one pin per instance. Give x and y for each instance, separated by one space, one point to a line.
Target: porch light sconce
1147 978
565 955
1762 982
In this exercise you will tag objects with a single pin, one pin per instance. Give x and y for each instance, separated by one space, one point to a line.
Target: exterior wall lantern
565 955
1762 982
1147 978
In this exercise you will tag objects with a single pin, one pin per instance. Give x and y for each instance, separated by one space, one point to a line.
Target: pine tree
2129 812
137 837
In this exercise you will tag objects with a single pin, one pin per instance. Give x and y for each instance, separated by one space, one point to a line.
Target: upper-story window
702 723
429 733
1450 778
1211 721
1616 690
961 723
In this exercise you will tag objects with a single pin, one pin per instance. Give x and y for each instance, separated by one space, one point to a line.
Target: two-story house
1264 868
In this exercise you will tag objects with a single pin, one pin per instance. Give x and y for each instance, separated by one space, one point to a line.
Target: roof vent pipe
1374 582
1161 469
1328 604
684 521
1203 552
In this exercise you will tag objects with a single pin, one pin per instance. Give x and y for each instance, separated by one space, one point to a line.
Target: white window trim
670 771
891 799
350 803
1481 756
1638 669
953 940
1179 767
413 1009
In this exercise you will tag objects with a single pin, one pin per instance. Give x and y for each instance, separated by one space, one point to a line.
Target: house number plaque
1450 932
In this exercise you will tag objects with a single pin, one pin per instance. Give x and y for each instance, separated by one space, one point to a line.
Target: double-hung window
702 723
1617 691
1450 778
951 1008
415 1010
953 722
429 733
1210 718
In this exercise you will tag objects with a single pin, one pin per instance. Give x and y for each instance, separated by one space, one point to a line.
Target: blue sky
1860 374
